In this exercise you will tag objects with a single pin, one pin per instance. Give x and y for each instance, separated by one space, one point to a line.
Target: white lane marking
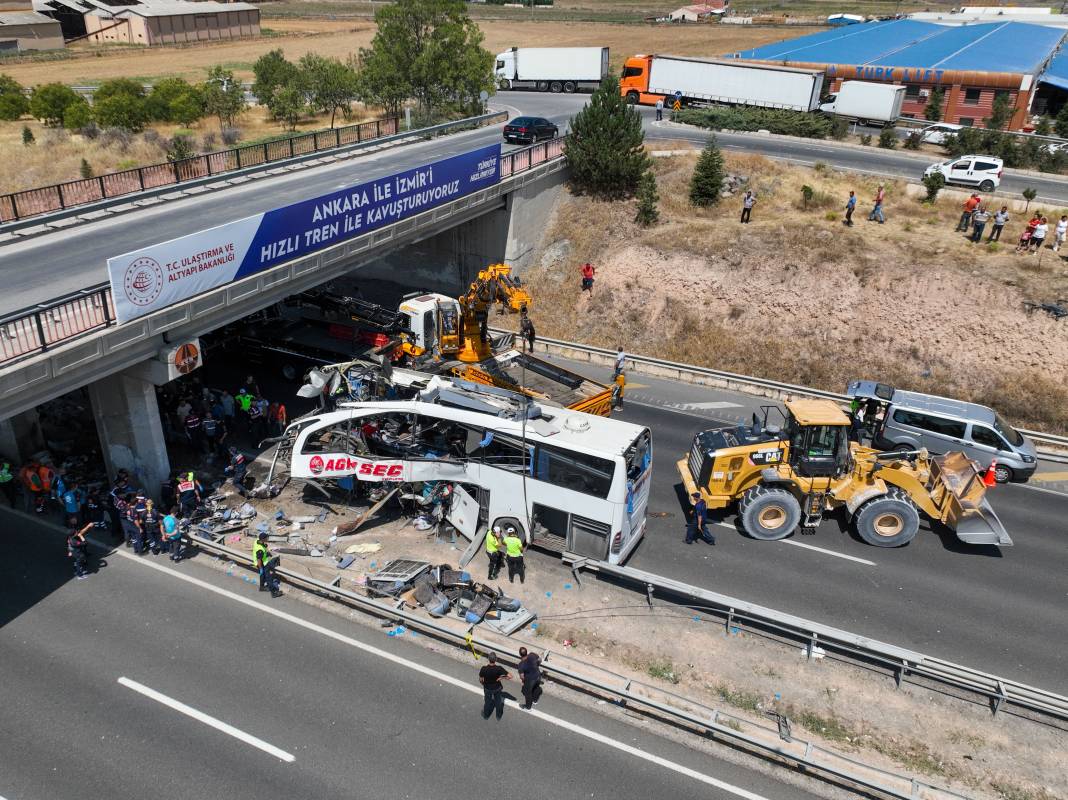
829 552
1040 489
808 547
456 682
200 716
717 404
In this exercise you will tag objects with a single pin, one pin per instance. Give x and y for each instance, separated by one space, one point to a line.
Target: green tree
224 97
933 183
1029 194
115 87
933 111
647 199
86 170
27 136
887 139
49 102
121 111
1043 127
273 72
77 115
429 50
1061 123
1000 112
13 100
605 148
288 105
331 85
839 128
807 193
159 105
187 107
708 175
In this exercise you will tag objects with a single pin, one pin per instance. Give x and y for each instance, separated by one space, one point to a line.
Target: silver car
911 420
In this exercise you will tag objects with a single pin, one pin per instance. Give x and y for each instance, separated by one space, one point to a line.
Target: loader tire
888 521
769 513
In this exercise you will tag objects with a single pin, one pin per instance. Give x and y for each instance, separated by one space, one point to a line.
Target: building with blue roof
971 63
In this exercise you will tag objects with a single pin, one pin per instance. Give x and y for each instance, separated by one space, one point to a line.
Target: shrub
85 170
27 136
121 111
807 192
887 139
933 183
116 137
933 111
1043 127
91 131
912 141
839 128
119 87
831 216
49 102
180 148
820 168
13 100
708 175
790 123
230 136
647 199
865 139
153 137
77 116
209 141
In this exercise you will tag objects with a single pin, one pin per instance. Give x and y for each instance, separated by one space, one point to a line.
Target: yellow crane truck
790 475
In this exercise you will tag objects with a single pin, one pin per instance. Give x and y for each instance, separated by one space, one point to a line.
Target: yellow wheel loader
787 475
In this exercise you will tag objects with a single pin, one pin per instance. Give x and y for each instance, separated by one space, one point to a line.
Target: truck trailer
703 81
866 103
551 69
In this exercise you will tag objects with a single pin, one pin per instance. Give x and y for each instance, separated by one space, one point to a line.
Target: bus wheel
504 522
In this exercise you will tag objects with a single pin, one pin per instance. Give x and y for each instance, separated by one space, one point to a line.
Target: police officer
150 524
78 550
188 494
211 428
193 433
237 469
265 563
117 504
495 552
131 525
7 481
513 547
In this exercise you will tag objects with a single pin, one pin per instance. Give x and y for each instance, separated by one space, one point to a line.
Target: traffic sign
676 106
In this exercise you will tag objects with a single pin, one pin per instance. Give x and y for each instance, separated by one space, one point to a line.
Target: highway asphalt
147 680
51 265
997 610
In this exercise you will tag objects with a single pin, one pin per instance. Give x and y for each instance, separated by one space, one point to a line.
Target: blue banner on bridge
152 278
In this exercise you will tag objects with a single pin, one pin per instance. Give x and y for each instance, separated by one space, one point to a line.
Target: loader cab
818 433
434 322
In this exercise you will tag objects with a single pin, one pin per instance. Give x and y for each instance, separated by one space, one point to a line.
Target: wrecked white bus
567 480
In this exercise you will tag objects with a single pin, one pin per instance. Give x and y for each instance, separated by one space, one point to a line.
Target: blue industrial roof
1057 72
991 47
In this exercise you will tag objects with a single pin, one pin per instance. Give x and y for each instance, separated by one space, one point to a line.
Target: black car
527 130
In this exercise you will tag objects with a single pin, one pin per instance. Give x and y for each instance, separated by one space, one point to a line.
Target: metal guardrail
39 328
61 196
999 692
636 695
690 373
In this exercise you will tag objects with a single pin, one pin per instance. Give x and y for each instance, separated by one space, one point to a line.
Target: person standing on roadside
979 219
1038 235
526 331
495 551
698 521
588 272
529 670
490 676
877 214
1060 232
1000 219
967 210
172 536
851 205
618 386
265 565
620 362
748 201
513 547
659 109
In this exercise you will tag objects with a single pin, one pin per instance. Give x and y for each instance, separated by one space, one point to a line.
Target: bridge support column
131 434
529 211
21 437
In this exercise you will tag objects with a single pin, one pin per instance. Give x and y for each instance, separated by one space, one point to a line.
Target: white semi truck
703 81
866 103
551 69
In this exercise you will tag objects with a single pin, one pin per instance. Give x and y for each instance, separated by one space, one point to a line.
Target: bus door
464 512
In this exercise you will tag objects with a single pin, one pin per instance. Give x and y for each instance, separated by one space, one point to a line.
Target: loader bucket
957 487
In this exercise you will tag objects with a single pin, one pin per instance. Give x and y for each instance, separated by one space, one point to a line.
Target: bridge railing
58 197
41 327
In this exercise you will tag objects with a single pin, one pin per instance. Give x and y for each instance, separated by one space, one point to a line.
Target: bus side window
503 452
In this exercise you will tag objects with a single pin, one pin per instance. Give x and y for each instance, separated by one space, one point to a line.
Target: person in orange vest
31 480
281 419
587 277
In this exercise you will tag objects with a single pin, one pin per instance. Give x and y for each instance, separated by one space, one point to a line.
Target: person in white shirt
1038 236
621 359
1060 233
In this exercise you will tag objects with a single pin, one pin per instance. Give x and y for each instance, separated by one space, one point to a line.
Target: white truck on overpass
551 69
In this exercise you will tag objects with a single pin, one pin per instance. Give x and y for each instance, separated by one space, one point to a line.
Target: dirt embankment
798 296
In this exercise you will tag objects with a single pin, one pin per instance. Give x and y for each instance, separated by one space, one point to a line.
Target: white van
937 133
982 172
